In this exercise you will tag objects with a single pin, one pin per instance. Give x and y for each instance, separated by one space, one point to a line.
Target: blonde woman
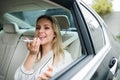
46 55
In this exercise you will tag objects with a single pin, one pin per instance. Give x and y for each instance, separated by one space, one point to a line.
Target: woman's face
44 31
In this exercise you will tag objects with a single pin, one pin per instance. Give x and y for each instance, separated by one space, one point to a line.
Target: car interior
85 37
13 30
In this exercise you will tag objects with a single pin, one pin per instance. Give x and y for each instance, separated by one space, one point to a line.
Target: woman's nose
41 30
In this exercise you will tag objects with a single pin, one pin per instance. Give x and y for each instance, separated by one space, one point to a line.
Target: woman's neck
46 49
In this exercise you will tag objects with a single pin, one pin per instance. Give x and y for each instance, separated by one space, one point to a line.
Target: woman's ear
54 35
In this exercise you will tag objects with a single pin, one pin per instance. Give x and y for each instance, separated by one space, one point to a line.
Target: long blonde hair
57 46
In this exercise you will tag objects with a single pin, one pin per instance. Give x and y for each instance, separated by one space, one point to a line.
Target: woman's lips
41 38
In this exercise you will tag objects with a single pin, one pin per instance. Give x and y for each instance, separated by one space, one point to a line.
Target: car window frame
79 63
88 65
98 19
92 66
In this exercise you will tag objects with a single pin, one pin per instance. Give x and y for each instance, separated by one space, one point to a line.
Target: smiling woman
66 38
47 41
45 31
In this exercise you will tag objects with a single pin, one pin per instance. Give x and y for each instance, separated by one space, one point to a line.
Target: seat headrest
29 32
63 21
10 27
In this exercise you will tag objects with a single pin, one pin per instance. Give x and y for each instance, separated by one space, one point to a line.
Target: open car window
26 20
70 36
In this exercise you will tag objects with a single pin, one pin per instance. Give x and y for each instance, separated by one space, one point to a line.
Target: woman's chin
42 43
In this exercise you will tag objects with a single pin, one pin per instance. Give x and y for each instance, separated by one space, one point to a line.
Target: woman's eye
37 28
47 27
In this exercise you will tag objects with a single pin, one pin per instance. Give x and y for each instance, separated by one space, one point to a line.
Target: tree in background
102 7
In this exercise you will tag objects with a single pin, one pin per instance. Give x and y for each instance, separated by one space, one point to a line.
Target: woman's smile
42 38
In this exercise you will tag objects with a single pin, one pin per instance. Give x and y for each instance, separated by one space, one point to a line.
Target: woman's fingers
47 74
34 42
50 71
50 68
38 42
33 47
43 77
28 44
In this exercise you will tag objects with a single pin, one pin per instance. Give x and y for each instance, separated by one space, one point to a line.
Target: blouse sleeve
22 74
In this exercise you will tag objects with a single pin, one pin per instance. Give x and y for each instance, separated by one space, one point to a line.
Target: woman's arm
29 62
22 74
47 74
26 72
33 51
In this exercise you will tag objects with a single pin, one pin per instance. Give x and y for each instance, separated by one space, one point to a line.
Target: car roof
13 5
10 6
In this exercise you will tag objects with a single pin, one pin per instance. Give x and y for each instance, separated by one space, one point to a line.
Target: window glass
94 28
31 16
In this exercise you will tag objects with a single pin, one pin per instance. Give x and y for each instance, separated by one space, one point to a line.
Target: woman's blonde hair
57 46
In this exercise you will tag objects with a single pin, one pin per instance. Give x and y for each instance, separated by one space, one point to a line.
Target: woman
46 55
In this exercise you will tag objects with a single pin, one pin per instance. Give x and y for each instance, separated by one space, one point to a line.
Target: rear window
31 16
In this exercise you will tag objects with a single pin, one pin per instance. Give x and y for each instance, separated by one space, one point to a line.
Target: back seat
72 44
9 37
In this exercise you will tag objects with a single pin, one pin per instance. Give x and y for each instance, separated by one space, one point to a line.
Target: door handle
113 65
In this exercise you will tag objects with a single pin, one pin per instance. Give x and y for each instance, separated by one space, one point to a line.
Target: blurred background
109 10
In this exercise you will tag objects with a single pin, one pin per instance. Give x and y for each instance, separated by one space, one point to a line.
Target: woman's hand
33 47
47 74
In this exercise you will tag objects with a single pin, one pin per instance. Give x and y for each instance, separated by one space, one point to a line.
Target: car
85 35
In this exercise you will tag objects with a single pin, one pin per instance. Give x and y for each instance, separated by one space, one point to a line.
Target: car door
104 46
97 43
100 41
